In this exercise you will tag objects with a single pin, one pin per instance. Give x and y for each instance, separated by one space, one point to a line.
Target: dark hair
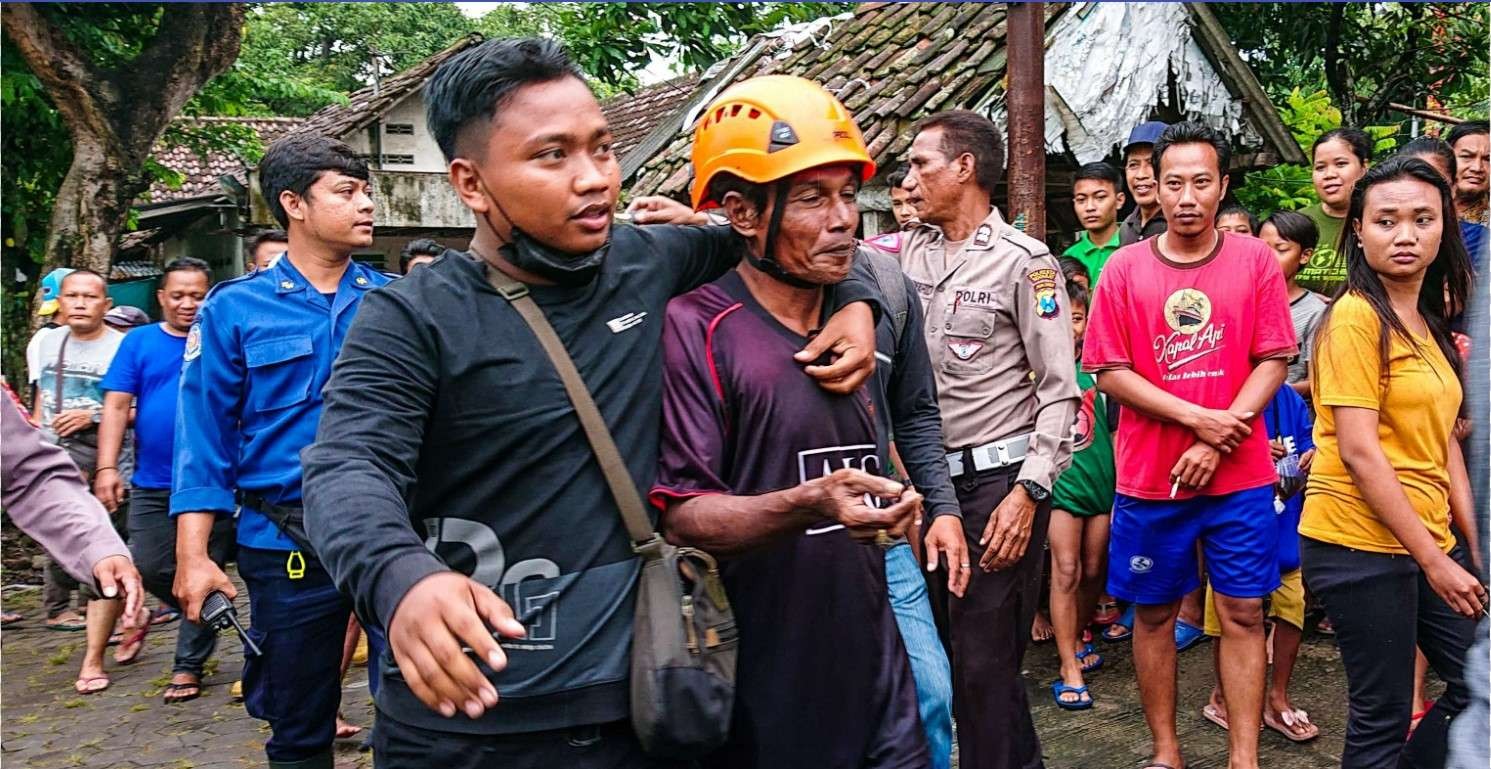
969 132
895 178
1077 295
81 271
1468 128
1427 147
1071 265
296 161
420 247
478 81
1355 138
185 264
265 236
1099 172
1296 227
1446 281
1192 133
1236 209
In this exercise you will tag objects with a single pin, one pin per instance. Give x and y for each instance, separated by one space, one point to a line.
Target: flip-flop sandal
10 618
1059 687
1125 624
1212 714
136 639
1413 722
1162 765
68 626
85 685
1187 635
1089 653
164 615
1292 718
173 689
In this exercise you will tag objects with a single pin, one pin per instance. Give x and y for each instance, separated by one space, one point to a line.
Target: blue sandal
1089 653
1059 687
1125 626
1187 635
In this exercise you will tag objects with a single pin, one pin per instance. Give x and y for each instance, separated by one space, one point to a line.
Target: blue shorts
1152 546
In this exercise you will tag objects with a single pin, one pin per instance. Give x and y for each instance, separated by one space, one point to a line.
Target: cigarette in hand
1174 487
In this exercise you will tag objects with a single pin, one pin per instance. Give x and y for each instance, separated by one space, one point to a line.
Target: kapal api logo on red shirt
1193 335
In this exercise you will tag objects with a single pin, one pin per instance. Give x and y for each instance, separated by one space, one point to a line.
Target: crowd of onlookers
1192 423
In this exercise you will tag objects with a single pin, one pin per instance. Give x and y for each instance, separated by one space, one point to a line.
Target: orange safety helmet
769 128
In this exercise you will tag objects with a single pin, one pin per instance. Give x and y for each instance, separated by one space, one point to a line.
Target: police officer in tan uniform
999 332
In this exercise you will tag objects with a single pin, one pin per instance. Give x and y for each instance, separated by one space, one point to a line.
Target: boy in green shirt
1078 532
1097 194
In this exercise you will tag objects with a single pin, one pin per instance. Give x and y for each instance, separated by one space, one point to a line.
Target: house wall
419 148
400 199
211 239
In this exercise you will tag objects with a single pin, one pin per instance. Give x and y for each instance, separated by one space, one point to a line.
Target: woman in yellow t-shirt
1388 477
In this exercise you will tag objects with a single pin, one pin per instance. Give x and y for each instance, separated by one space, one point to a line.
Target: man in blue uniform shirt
255 363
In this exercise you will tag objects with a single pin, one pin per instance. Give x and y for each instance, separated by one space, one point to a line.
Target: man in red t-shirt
1190 331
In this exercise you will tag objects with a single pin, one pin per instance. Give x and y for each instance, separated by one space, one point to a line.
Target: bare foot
345 729
1040 629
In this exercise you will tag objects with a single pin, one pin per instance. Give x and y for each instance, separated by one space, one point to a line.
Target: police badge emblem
1043 283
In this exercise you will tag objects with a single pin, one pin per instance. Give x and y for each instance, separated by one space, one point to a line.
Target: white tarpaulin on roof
1108 64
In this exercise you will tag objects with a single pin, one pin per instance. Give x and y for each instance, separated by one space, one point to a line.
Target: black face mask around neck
562 267
527 253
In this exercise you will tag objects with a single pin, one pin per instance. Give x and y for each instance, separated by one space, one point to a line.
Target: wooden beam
1243 85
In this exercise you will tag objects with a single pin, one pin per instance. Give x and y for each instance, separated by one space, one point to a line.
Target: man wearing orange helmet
451 490
823 678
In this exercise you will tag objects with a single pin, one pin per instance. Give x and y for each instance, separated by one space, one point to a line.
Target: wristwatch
96 417
1036 491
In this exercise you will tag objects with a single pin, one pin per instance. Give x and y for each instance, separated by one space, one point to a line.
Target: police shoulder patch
1043 285
193 343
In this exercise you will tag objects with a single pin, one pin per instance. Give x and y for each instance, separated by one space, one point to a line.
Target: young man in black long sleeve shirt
448 447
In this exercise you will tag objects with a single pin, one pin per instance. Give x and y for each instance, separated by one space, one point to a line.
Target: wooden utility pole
1026 100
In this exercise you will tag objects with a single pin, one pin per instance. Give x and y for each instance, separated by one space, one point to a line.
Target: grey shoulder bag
683 633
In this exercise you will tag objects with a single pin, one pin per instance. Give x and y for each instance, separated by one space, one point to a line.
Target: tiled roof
633 116
890 63
201 173
364 106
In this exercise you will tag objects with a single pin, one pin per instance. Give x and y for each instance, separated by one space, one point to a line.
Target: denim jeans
929 665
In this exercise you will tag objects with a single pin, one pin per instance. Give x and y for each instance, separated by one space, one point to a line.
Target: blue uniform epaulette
247 276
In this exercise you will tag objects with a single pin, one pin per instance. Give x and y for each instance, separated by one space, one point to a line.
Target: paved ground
47 726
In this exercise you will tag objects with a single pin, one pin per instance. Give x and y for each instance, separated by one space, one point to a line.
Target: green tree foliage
1289 187
615 41
1368 55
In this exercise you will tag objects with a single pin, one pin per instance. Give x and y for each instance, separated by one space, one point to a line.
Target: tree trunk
91 208
115 115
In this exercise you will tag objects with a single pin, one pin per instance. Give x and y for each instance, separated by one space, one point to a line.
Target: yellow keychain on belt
295 565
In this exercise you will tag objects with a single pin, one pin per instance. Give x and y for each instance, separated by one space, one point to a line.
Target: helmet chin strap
767 263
